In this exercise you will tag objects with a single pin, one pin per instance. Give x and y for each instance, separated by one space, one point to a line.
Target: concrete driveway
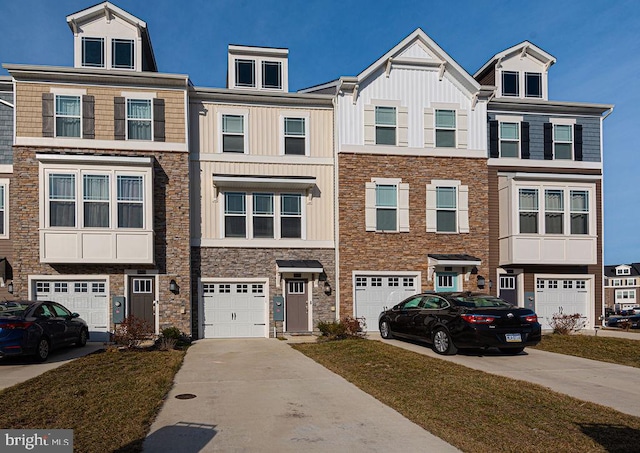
261 395
589 380
14 370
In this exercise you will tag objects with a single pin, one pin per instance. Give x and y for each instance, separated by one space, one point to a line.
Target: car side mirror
74 315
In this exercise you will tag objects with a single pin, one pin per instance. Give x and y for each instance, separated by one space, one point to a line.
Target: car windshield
481 301
12 309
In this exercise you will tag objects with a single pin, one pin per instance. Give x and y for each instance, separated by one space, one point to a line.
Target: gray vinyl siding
590 136
6 129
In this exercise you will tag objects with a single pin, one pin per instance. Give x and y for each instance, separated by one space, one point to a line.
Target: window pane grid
93 52
122 53
68 117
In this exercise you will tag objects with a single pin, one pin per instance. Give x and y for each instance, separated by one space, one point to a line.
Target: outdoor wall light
327 288
10 288
481 282
173 286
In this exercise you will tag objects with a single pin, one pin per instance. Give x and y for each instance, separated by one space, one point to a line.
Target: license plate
513 338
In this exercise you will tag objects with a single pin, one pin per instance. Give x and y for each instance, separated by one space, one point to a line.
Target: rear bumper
484 336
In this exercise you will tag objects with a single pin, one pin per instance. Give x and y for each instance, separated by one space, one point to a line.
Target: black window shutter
158 120
119 119
524 133
88 117
548 141
577 144
493 139
47 114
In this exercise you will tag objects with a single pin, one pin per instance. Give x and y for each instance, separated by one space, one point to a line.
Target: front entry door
508 289
141 297
297 309
446 281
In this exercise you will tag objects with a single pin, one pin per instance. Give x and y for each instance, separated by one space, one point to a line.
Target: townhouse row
251 211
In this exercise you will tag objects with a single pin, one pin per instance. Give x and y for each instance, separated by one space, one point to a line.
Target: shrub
132 332
171 332
172 337
167 344
348 327
566 324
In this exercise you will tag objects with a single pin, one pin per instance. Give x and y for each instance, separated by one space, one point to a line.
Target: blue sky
596 44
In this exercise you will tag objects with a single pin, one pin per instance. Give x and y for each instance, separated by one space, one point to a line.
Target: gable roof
104 8
610 271
524 46
433 55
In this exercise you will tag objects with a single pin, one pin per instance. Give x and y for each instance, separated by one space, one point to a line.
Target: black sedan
36 328
462 320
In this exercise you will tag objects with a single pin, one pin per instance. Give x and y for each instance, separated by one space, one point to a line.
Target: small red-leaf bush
132 332
347 327
566 324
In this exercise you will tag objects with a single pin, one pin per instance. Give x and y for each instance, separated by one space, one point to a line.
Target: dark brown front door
509 289
141 297
297 311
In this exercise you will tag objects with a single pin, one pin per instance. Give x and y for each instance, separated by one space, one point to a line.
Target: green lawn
605 349
473 410
109 398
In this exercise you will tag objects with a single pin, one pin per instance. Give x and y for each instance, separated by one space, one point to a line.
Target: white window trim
566 188
258 60
388 126
237 112
292 114
510 119
462 206
524 84
134 97
75 93
623 271
112 55
78 172
104 52
277 214
5 183
456 112
627 292
402 205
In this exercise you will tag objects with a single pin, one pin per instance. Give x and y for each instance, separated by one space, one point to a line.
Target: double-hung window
245 73
62 200
95 199
263 215
290 216
445 128
528 210
533 84
562 141
272 74
233 134
509 140
130 198
385 125
235 215
510 83
446 210
579 211
386 207
68 116
553 211
295 136
93 52
139 119
122 53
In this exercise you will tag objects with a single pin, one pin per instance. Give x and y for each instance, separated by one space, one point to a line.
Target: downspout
602 295
336 227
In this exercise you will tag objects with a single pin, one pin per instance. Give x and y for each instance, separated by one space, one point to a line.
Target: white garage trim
372 324
32 278
590 286
204 280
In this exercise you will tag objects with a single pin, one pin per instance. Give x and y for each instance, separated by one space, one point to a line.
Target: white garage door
87 298
234 310
561 296
376 293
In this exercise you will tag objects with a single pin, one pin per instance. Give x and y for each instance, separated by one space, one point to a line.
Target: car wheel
42 351
511 351
442 342
385 330
82 339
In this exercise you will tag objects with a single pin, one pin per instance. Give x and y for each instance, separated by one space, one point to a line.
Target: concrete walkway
263 396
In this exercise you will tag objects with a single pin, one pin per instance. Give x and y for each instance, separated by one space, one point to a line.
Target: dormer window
122 50
533 84
93 52
623 271
245 73
510 84
271 74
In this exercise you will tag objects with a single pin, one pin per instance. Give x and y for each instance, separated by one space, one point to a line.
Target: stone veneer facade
373 251
170 225
209 262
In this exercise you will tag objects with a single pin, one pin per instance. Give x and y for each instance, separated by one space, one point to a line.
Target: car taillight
478 319
531 318
16 325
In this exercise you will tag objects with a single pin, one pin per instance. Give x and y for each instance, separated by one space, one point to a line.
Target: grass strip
605 349
109 398
473 410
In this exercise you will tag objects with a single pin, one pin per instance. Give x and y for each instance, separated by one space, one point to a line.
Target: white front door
88 298
561 296
234 310
376 293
